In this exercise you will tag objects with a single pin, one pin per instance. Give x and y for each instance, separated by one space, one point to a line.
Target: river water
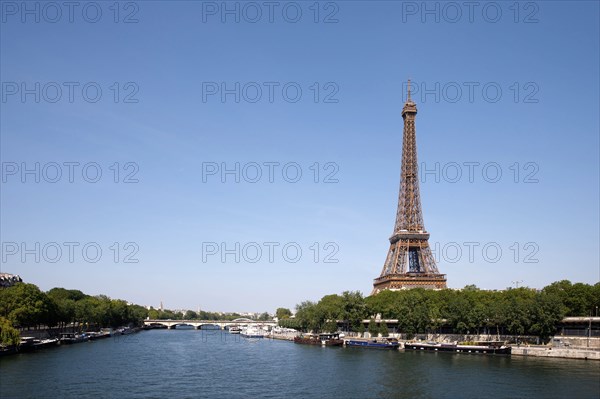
215 364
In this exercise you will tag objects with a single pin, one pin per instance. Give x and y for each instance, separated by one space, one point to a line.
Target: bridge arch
209 326
157 325
220 324
174 326
243 320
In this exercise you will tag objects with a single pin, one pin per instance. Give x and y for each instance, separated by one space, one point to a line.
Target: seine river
214 364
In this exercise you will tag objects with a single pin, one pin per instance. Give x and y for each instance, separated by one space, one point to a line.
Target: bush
8 334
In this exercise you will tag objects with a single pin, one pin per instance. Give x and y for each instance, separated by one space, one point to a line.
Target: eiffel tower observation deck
409 262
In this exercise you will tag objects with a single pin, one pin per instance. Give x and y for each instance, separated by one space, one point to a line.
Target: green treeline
521 311
26 306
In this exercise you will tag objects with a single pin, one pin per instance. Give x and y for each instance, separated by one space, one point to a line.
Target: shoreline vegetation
520 311
24 306
515 311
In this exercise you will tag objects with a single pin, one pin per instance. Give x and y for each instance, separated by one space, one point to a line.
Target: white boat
234 330
253 332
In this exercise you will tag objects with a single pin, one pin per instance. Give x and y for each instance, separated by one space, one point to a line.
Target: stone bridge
222 324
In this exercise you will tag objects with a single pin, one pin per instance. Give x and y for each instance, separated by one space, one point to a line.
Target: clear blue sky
547 124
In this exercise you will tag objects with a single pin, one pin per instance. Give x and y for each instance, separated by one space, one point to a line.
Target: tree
153 313
26 306
548 312
137 314
167 314
579 299
458 312
264 316
435 317
354 309
330 326
283 313
65 310
9 335
307 316
383 303
383 330
289 323
330 307
118 312
87 310
518 309
412 311
62 293
361 329
373 328
190 315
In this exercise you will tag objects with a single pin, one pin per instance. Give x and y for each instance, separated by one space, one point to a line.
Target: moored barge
72 338
381 343
487 347
321 339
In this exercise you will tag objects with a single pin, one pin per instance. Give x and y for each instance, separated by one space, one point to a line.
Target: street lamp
590 329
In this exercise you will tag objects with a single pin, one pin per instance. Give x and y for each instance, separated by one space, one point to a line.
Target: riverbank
283 336
549 351
563 353
559 347
44 339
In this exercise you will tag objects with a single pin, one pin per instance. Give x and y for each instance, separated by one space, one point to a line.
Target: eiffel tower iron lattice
409 262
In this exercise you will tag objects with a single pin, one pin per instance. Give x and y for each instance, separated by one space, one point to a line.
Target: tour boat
382 343
321 339
252 332
234 330
486 347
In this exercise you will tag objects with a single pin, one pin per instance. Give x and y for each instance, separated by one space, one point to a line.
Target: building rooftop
8 280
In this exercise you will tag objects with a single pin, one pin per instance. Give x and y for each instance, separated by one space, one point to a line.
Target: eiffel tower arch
409 262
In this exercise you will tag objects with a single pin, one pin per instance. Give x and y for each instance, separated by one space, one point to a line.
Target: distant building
8 280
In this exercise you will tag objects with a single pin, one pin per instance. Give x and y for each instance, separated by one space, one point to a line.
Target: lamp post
589 330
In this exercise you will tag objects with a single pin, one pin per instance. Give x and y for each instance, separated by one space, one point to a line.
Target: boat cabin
325 336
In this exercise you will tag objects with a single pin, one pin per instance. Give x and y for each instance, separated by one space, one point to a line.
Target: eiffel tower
409 263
